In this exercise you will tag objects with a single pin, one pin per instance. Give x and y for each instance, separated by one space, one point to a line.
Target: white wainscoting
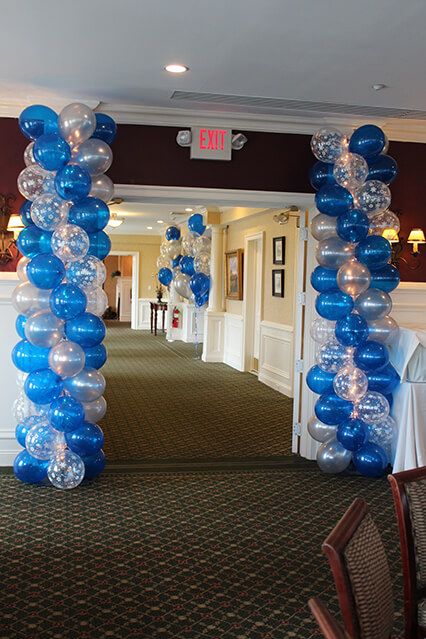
409 303
214 330
144 314
233 352
276 357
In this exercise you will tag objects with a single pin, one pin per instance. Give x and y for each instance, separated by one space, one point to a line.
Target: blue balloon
199 284
45 271
351 330
176 261
371 356
382 168
386 278
375 251
87 330
187 265
352 434
324 279
28 358
331 409
334 305
21 430
195 224
106 128
68 301
94 465
165 276
319 381
368 140
66 414
334 200
25 213
353 226
36 120
384 380
96 356
51 151
201 300
370 460
100 244
172 233
32 241
73 182
29 469
85 440
320 174
20 322
91 214
43 386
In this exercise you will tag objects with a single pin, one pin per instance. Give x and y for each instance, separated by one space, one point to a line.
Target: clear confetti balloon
21 268
66 359
49 185
323 226
43 442
76 123
97 301
350 383
66 470
95 411
163 262
372 408
332 457
202 263
382 221
22 408
29 154
334 252
164 250
385 434
332 356
353 278
102 188
350 171
44 329
87 273
188 244
319 431
384 330
373 304
28 299
328 144
30 181
70 243
202 244
49 211
20 379
322 330
373 197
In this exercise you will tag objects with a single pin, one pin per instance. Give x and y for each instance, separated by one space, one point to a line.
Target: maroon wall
268 162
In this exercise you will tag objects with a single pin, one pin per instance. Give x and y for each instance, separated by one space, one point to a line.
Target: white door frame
135 285
248 319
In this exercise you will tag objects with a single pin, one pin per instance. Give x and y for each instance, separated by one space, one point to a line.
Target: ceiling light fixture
189 210
160 221
115 221
149 228
379 87
176 68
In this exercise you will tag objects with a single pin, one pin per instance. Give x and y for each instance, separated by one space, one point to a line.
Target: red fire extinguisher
176 317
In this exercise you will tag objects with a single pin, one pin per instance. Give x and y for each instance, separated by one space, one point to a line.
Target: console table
155 307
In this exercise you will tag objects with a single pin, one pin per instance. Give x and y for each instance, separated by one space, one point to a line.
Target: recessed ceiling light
379 87
160 221
149 228
176 68
189 210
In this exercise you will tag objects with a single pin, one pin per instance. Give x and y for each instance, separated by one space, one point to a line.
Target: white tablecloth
410 339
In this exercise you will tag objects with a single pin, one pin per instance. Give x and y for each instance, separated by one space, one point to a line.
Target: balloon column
184 262
60 299
353 376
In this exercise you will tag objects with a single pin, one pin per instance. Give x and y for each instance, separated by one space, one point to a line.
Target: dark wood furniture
409 495
327 624
361 574
155 307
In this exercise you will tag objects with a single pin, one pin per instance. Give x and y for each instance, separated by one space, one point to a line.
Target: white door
252 310
124 298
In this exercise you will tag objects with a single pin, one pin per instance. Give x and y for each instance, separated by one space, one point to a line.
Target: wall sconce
15 225
6 242
397 243
415 238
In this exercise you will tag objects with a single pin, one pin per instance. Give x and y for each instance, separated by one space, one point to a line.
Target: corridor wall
148 247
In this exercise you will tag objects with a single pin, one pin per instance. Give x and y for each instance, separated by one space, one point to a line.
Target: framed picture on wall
234 274
278 282
278 250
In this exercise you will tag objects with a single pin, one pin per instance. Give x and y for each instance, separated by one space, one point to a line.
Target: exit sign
211 144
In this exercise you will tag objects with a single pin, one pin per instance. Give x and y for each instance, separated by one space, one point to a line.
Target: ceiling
139 217
309 50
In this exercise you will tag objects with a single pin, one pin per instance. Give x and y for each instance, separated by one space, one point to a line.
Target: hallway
165 405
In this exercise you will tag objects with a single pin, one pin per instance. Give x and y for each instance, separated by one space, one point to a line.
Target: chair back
361 574
327 624
409 495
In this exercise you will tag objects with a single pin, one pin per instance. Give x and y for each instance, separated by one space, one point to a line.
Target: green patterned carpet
209 555
165 405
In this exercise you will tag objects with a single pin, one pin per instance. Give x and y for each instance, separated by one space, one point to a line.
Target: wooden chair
409 495
327 624
361 574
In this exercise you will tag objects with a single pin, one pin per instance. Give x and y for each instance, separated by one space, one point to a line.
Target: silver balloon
21 268
181 284
350 170
319 431
383 330
373 408
70 243
332 356
373 304
86 386
202 263
43 441
372 197
28 299
66 359
383 221
173 249
202 244
385 434
328 144
102 188
49 211
95 411
350 383
93 155
97 301
323 226
322 330
30 181
87 273
76 123
353 277
29 154
188 244
44 329
66 470
333 252
332 457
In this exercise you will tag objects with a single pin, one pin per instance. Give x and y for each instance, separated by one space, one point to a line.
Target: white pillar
216 270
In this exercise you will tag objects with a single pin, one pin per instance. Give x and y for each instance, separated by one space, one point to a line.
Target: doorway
252 308
122 285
